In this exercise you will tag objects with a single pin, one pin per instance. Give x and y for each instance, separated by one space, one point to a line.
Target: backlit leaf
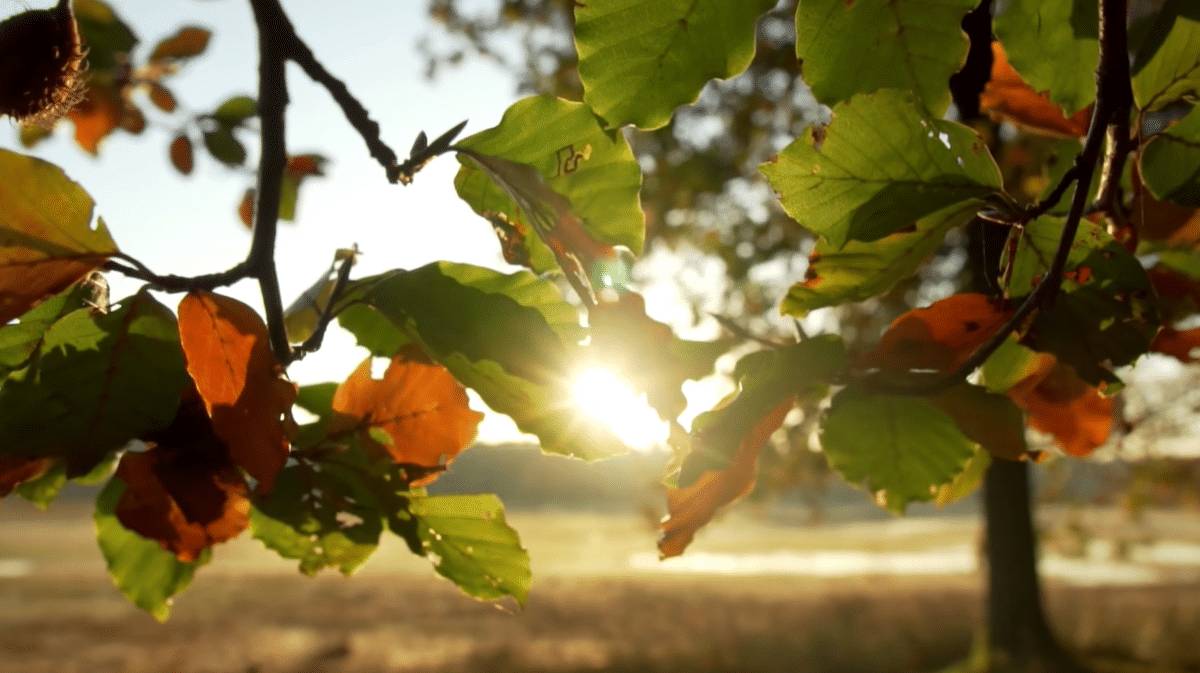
235 111
859 270
1170 162
691 507
15 470
44 488
1166 62
576 195
988 419
106 37
469 542
97 115
900 448
849 48
148 575
1054 45
182 155
880 166
20 340
418 404
940 336
240 380
372 330
967 481
224 146
297 169
46 237
323 519
97 381
187 42
1007 97
1061 404
640 59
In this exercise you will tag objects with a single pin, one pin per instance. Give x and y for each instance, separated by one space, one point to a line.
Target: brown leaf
15 471
1179 344
1008 98
162 97
228 356
186 500
1061 404
187 42
304 165
246 209
182 154
97 116
691 507
420 406
940 336
1154 220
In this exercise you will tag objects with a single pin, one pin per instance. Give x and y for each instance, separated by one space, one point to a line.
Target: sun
608 399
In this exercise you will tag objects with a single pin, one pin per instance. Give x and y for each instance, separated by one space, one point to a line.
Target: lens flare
608 399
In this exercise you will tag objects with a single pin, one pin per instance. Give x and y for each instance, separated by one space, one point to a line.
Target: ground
599 603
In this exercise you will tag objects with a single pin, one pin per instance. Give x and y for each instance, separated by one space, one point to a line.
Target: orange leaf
15 471
97 116
246 209
1177 343
185 500
228 356
940 336
303 165
691 507
420 406
1008 98
182 155
1061 404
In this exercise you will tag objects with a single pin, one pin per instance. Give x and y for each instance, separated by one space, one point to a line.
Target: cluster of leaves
194 413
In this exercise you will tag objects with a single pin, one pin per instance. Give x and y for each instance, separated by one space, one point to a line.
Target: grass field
596 606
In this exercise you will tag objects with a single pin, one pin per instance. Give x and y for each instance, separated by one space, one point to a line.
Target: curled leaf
1008 98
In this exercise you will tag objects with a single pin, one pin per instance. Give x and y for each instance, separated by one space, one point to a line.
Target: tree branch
273 29
1113 99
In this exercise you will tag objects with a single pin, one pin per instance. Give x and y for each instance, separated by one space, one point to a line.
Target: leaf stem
314 341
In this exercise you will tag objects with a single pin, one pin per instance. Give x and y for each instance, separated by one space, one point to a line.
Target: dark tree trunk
1019 638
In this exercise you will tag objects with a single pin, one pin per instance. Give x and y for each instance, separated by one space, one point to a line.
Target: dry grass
250 613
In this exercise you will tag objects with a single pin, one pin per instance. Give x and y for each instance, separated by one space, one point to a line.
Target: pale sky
190 226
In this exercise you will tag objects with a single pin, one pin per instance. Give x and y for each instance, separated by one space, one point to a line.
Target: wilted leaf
182 155
639 75
880 166
692 506
849 48
469 542
242 384
1054 45
98 115
1170 162
187 42
418 404
148 575
186 500
46 237
571 188
940 336
900 448
323 519
648 354
97 381
1008 98
1061 404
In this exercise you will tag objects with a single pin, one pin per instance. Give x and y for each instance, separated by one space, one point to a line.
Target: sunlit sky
190 226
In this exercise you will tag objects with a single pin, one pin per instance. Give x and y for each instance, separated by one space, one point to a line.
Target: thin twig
173 283
739 331
1112 105
314 341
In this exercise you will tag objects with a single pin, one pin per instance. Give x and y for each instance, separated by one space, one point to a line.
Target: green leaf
44 489
98 381
372 330
47 241
900 448
19 341
1010 364
593 171
510 337
469 542
880 166
1054 45
1170 163
967 482
989 419
235 111
224 146
1166 62
107 38
324 519
765 379
858 47
1105 316
317 398
860 270
641 59
187 42
148 575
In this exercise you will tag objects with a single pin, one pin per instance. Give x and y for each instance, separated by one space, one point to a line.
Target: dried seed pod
40 63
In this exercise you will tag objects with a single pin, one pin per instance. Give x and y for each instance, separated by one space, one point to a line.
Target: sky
189 225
